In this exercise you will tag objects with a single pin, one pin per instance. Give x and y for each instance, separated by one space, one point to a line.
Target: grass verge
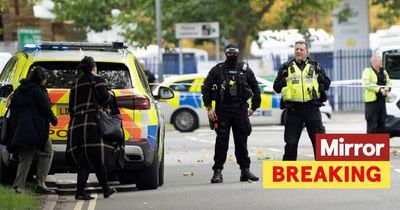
11 200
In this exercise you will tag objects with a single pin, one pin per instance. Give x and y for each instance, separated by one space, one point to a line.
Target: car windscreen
392 64
63 74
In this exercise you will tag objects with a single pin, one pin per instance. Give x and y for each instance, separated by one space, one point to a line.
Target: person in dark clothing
302 83
231 84
29 129
85 147
376 84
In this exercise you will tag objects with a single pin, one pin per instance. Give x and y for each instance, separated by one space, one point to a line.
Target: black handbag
109 126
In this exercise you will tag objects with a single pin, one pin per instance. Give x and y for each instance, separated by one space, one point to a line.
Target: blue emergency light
114 46
31 47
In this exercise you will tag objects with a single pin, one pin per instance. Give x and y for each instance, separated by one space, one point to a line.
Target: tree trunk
240 35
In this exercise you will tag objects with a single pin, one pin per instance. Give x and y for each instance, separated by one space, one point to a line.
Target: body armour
234 87
301 86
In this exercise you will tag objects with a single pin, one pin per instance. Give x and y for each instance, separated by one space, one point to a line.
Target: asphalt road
188 162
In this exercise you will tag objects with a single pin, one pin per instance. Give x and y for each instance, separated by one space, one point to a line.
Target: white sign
353 33
201 30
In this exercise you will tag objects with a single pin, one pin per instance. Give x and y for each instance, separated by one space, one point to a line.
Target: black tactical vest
234 87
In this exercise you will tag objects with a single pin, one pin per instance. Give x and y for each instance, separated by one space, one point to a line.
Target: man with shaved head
376 85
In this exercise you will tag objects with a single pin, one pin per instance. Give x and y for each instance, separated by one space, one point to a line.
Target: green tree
239 19
390 13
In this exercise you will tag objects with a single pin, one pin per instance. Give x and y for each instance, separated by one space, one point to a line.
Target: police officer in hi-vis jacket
302 83
376 84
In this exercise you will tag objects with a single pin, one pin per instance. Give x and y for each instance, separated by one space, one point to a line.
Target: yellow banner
326 174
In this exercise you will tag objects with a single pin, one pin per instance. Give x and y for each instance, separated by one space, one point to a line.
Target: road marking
275 150
195 139
198 140
307 155
92 203
79 205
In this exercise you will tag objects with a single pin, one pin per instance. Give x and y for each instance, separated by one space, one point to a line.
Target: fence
339 65
349 65
345 65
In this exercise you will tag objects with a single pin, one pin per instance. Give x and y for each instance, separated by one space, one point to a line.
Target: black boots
109 193
247 175
217 177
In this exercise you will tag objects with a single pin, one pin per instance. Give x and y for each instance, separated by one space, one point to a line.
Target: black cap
231 48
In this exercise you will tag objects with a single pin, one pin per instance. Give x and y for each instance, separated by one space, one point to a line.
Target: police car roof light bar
115 46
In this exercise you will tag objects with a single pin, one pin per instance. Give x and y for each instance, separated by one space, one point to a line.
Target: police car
142 121
186 111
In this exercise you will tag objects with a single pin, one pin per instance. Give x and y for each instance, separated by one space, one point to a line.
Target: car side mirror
164 93
6 90
267 90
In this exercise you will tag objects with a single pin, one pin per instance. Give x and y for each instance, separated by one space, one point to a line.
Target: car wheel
148 178
284 117
126 177
185 120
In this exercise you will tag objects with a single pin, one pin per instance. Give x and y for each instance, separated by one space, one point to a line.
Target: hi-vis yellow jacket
369 82
301 86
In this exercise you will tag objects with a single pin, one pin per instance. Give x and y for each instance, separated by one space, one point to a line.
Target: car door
269 111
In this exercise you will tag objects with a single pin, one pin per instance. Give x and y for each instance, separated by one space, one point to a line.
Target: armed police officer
231 84
302 83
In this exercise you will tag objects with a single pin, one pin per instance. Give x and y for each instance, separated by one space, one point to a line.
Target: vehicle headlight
391 97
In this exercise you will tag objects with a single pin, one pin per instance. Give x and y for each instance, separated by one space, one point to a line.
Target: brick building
20 14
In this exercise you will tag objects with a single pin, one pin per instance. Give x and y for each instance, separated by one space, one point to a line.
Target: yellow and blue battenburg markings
136 123
193 98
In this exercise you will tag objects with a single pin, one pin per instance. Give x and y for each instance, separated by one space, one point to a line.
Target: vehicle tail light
137 102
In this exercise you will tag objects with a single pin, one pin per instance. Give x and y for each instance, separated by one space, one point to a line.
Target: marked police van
141 117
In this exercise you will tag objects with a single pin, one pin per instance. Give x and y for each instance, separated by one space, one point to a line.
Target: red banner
352 147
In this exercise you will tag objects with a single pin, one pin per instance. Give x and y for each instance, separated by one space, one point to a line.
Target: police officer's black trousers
375 114
238 120
295 121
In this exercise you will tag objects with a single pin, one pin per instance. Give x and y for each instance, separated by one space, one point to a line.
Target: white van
4 57
391 62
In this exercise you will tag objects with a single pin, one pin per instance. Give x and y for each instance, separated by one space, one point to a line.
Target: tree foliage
390 12
239 19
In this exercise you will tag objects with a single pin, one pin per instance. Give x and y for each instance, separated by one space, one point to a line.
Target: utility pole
159 42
